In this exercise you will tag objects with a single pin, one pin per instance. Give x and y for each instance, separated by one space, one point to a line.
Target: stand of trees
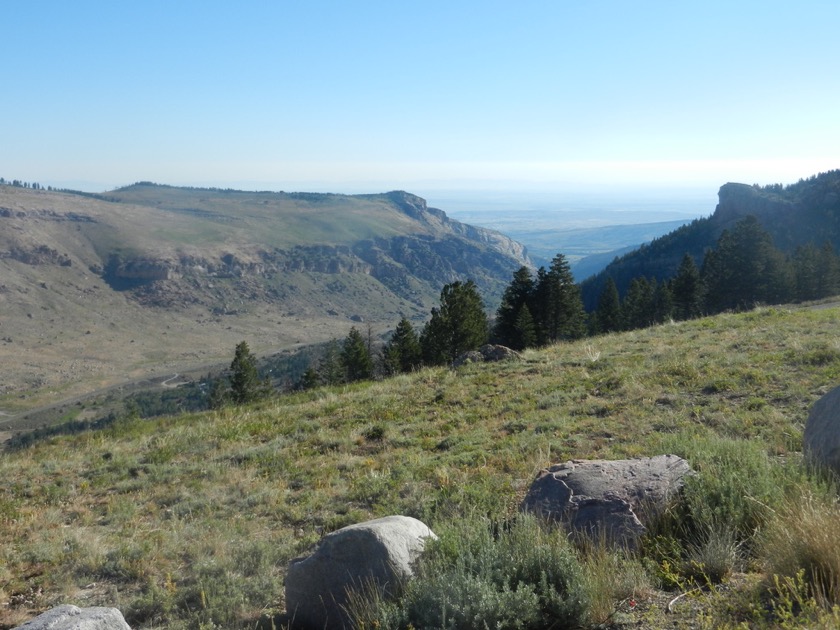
457 325
744 269
536 312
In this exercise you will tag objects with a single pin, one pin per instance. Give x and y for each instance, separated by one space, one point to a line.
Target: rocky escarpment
416 208
398 263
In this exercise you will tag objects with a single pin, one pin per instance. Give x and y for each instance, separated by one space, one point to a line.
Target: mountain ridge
151 278
807 211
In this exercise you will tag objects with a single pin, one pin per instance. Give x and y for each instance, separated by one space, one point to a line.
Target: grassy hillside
190 521
150 280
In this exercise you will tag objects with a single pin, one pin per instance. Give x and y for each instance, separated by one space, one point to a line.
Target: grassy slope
276 219
186 519
75 334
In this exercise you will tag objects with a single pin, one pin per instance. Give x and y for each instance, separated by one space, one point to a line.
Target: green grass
191 520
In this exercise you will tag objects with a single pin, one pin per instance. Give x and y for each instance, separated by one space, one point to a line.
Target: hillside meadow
190 521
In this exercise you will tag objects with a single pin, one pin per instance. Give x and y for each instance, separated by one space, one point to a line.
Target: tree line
21 184
744 269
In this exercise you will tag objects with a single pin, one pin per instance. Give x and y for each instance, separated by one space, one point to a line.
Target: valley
98 291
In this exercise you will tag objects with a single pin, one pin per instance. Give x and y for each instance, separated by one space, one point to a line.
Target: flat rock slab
610 498
375 554
69 617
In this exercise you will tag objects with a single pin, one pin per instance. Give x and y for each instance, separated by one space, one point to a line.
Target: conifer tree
330 368
525 331
309 379
355 357
458 325
608 317
245 383
745 269
557 306
828 271
517 294
687 290
663 302
403 352
637 308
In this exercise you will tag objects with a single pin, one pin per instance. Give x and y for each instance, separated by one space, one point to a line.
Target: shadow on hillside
27 438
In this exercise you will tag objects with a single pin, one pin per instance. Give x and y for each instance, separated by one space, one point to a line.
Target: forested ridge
802 215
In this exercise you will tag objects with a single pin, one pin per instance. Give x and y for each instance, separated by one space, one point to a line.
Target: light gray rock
378 553
613 499
822 432
69 617
487 353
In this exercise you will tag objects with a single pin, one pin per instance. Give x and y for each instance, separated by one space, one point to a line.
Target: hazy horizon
375 96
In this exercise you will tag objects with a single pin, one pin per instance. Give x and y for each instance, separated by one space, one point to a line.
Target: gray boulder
487 353
613 499
822 432
375 554
69 617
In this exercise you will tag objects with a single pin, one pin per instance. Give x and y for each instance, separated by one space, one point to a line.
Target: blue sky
463 96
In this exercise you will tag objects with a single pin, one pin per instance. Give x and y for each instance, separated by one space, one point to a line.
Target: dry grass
191 520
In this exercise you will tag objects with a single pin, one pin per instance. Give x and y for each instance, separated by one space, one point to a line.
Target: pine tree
608 317
355 357
526 332
218 396
637 307
828 272
458 325
403 352
245 383
746 269
663 303
518 293
309 379
330 367
687 290
557 307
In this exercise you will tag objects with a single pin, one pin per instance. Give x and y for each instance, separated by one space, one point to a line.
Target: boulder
69 617
375 554
822 432
613 499
487 353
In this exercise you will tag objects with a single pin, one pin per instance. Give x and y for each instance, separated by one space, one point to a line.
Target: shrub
480 575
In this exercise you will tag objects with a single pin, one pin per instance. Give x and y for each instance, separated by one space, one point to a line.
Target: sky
444 97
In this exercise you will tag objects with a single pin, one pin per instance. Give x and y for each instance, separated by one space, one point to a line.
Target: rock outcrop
613 499
74 618
487 353
375 554
822 432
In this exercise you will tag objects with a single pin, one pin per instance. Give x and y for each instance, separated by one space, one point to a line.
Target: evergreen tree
330 368
687 290
525 331
828 272
458 325
355 357
663 303
403 352
218 396
637 307
518 293
245 383
608 317
309 379
745 269
557 307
